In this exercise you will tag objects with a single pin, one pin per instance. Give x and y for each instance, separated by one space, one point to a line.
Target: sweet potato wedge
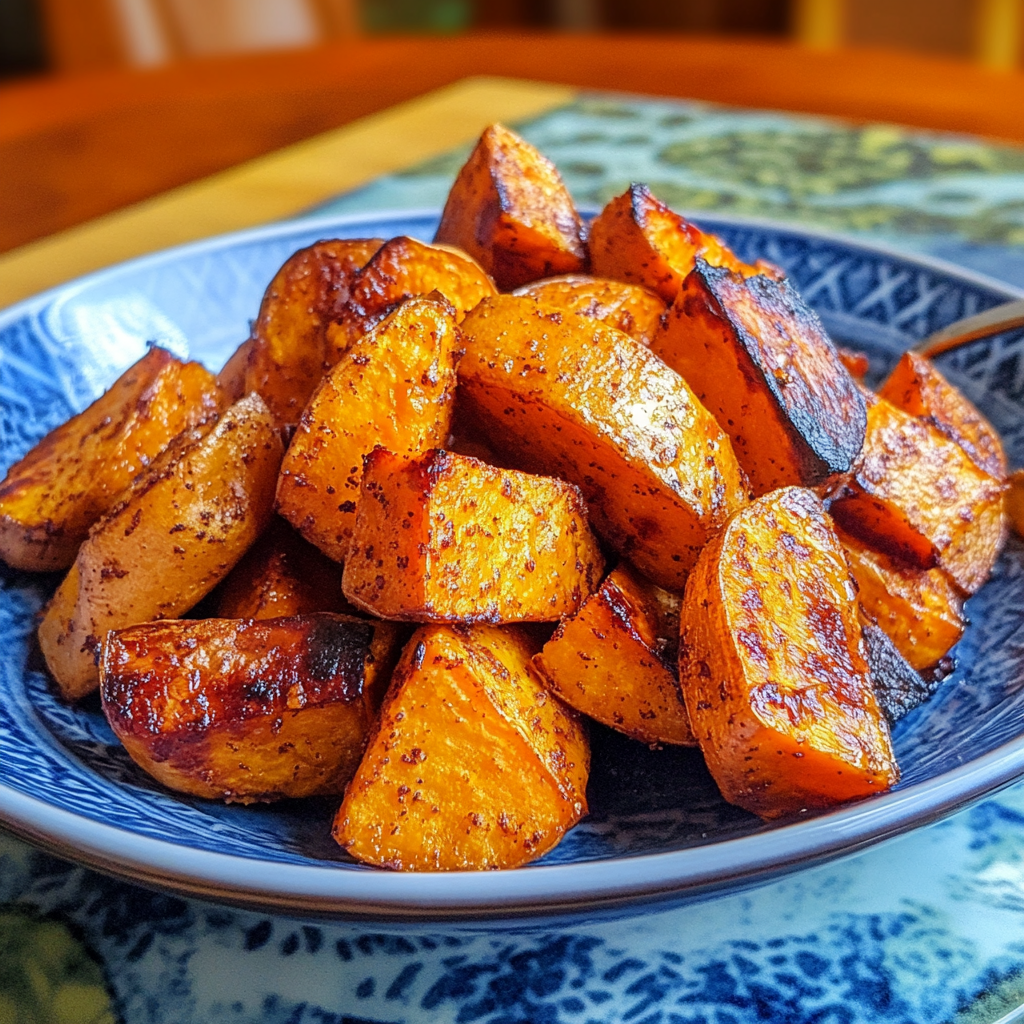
405 268
473 765
610 661
760 361
916 387
637 238
394 387
169 543
921 610
281 575
52 496
634 310
247 711
510 210
447 538
898 687
916 495
772 665
568 396
231 379
289 352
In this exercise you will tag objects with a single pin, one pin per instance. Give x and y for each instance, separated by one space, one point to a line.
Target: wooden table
75 148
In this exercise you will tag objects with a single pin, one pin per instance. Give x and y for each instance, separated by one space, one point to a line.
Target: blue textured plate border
61 787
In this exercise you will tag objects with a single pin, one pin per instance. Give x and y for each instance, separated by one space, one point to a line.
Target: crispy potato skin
608 661
916 495
634 310
167 545
447 538
394 387
50 498
281 575
289 352
772 667
473 764
921 610
247 711
405 268
510 210
760 361
569 396
637 238
898 687
916 387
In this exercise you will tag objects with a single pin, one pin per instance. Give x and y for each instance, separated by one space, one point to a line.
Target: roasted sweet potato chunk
231 379
634 310
916 387
404 268
289 352
637 238
566 395
281 575
394 387
447 538
921 610
772 665
247 711
52 496
170 542
610 661
761 362
916 495
898 687
473 764
510 210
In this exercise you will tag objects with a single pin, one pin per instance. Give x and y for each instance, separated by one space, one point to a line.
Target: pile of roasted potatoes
625 433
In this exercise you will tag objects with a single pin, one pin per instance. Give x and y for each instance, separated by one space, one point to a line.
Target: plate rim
536 891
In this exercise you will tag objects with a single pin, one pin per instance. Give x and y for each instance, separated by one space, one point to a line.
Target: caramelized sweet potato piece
231 379
609 661
898 687
856 362
289 352
761 362
247 711
170 542
916 495
447 538
772 666
281 575
393 387
637 238
52 496
1015 501
633 310
916 387
473 764
510 210
404 268
569 396
920 609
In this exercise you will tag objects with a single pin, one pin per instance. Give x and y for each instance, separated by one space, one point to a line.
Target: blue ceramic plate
658 829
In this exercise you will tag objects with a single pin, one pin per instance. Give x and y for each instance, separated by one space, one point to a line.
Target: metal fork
972 328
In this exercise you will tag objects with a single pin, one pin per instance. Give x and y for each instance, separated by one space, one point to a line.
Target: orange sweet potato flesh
169 543
404 268
289 352
447 538
916 495
52 496
634 310
609 661
281 575
394 387
761 362
571 397
510 210
920 610
772 666
637 238
231 379
247 711
473 765
917 387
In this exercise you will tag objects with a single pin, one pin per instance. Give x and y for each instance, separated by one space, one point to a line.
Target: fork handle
971 328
